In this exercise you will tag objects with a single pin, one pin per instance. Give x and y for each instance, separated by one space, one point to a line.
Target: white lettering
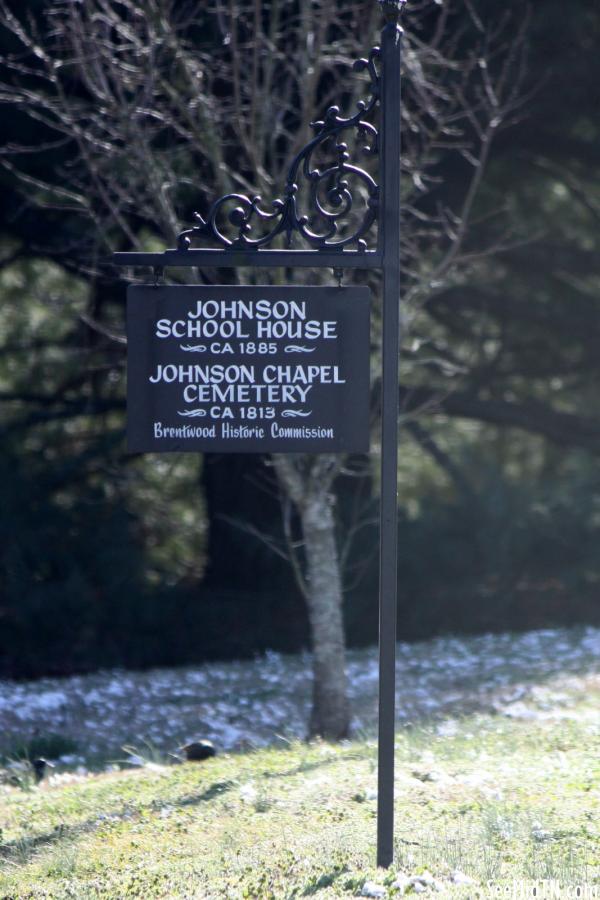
301 431
184 431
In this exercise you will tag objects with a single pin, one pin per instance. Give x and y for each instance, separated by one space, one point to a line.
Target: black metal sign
248 369
245 231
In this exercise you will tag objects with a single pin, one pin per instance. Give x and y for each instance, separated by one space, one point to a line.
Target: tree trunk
330 716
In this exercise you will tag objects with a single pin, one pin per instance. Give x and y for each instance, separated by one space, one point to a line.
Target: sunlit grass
498 799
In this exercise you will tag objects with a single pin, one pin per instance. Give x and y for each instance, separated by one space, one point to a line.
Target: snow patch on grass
259 702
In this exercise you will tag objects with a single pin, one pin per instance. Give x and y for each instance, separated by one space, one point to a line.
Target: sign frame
248 369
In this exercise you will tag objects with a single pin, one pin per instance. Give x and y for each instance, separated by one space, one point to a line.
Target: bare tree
166 105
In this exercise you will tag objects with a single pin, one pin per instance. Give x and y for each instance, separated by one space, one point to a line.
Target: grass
499 799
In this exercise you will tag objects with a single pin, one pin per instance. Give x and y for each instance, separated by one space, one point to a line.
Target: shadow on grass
311 765
21 850
327 879
211 793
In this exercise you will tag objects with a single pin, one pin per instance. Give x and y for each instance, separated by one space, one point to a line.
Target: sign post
286 369
388 533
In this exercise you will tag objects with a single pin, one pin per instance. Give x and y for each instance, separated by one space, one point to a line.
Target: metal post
388 588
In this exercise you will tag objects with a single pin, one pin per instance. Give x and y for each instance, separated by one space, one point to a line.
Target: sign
248 369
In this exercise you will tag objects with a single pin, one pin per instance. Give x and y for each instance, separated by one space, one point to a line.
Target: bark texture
330 715
307 482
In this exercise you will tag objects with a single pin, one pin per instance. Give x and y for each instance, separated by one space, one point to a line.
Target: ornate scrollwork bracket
392 10
334 190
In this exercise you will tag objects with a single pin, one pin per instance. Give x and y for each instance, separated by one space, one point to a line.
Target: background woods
120 119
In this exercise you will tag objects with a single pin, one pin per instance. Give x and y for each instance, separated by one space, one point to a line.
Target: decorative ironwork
330 189
392 9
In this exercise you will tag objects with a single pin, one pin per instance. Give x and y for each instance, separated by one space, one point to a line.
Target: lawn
492 797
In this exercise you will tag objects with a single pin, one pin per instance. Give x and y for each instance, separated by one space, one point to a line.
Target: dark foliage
494 543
